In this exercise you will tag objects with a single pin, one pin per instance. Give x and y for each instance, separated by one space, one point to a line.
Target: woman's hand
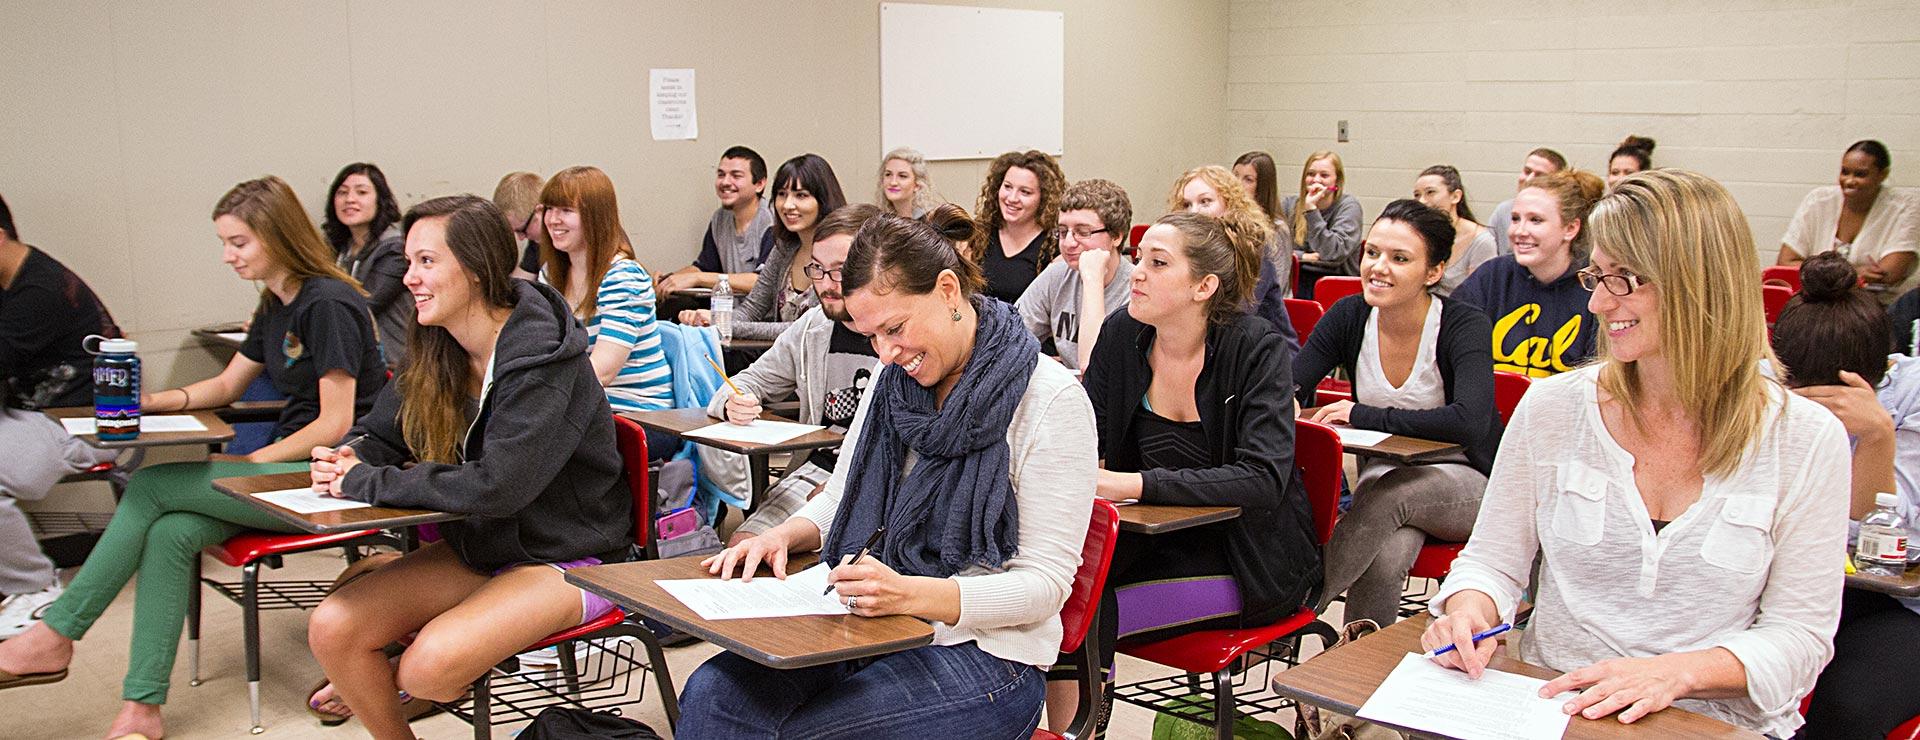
1468 613
1855 403
1634 687
743 408
1315 191
871 589
1114 486
1309 256
769 547
329 469
1337 412
696 317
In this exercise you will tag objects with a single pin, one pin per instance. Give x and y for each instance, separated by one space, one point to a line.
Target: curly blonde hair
1231 192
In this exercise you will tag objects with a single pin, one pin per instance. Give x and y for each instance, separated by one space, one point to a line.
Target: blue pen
1448 648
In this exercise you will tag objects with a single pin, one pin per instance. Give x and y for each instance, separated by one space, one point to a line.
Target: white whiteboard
971 83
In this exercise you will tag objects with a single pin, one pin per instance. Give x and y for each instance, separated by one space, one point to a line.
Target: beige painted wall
123 122
1763 95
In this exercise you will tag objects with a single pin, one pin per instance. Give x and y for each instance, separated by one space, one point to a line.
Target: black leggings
1869 687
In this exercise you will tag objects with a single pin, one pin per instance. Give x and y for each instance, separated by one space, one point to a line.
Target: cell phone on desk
676 523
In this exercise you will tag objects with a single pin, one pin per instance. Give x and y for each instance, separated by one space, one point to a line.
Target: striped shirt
623 315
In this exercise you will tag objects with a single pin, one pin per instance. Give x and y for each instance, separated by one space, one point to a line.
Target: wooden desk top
1906 585
1343 678
748 345
217 430
681 421
211 334
1397 447
348 520
1155 519
776 642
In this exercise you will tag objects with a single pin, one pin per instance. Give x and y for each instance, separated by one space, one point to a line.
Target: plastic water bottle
1883 539
723 309
116 387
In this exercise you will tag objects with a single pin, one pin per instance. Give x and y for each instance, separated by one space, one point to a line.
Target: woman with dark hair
1635 154
1262 182
363 226
586 256
1440 188
1018 210
976 455
1874 226
804 190
1831 338
499 417
1422 366
313 337
1190 392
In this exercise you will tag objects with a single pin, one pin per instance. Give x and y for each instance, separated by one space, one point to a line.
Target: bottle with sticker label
116 387
1882 550
722 309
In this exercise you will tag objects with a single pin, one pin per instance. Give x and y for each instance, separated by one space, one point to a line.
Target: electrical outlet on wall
1343 131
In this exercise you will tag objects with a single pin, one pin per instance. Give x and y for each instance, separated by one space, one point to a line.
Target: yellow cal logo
1536 356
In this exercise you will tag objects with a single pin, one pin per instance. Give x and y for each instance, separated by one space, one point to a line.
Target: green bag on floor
1169 727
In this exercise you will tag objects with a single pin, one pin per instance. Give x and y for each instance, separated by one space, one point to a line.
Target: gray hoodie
542 479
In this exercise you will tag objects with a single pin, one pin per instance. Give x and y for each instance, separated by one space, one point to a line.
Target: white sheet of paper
1499 706
674 111
232 336
305 501
165 423
761 431
764 596
1363 437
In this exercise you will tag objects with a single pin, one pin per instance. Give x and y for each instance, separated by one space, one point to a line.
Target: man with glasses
1094 219
820 359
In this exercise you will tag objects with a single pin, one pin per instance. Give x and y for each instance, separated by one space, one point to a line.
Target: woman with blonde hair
1212 190
1326 221
1018 209
905 189
313 336
1687 514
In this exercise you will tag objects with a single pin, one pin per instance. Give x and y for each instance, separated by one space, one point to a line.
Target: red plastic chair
1775 297
1908 730
1304 315
1435 560
1134 234
1078 614
1317 451
1508 388
1788 275
1331 288
632 441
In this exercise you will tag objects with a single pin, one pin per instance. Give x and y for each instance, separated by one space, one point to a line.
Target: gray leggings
1395 508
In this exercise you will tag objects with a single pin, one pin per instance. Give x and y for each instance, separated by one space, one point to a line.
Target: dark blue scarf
956 507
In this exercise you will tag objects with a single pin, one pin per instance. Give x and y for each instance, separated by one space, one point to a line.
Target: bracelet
187 401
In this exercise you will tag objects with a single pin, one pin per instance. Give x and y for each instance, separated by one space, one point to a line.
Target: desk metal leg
757 469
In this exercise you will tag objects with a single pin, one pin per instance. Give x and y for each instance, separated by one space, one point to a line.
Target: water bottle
1883 539
723 309
116 387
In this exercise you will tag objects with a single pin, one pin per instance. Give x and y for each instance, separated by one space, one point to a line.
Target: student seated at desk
46 311
1688 514
517 195
905 188
1541 161
1209 191
1191 396
1421 366
1875 226
586 256
1440 188
1541 324
735 244
1258 177
976 455
363 226
1018 209
822 360
1635 154
1326 222
498 417
804 189
1073 295
313 336
1831 340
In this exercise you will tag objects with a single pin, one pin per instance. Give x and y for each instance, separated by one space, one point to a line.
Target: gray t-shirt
1502 218
1051 306
1462 264
729 251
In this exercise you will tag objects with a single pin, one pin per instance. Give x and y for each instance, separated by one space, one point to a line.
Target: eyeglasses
527 227
1079 235
816 272
1621 284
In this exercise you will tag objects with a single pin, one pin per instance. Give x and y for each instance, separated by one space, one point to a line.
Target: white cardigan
1754 566
1014 612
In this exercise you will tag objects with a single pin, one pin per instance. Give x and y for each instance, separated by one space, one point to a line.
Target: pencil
723 375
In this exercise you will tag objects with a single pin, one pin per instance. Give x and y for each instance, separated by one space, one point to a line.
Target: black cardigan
1465 357
1244 411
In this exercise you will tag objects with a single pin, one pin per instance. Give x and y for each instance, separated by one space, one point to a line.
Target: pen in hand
1448 648
864 549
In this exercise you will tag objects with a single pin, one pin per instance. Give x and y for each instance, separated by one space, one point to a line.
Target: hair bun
1634 141
952 222
1827 276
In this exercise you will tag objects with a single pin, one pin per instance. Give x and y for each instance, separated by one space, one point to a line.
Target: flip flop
327 719
410 708
10 681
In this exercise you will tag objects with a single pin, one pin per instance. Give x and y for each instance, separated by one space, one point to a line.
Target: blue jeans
934 691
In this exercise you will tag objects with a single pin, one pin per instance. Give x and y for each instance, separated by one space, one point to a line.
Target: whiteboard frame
946 72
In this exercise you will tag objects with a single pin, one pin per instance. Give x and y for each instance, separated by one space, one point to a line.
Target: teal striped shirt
623 315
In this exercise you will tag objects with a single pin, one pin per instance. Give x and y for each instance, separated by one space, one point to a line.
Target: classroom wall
124 122
1763 95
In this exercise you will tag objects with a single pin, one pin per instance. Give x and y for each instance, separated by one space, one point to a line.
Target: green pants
170 512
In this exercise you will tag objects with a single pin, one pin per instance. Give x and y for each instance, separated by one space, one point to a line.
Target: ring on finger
850 600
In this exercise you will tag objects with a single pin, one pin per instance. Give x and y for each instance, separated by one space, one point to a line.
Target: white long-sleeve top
1013 612
1754 566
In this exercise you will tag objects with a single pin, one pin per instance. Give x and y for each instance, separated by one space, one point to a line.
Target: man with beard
821 359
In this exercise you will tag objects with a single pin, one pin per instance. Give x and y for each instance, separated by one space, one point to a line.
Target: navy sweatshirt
1538 329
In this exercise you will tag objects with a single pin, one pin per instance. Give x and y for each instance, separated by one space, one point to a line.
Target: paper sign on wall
674 115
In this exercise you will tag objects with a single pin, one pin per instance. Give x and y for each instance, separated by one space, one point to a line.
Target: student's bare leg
513 610
349 629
